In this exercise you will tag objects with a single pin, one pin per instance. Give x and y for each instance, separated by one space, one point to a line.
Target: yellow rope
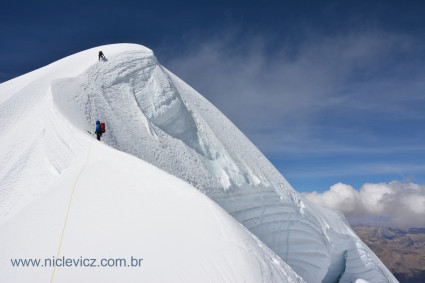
69 206
87 91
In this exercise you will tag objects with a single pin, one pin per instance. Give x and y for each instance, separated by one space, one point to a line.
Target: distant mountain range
402 250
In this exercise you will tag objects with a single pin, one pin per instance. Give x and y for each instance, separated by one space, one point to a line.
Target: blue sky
330 91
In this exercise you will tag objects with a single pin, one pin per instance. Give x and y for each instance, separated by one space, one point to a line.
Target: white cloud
404 203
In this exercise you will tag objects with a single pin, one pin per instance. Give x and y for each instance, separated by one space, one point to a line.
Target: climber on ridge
101 55
98 130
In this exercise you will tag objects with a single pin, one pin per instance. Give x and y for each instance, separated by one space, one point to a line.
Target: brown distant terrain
402 250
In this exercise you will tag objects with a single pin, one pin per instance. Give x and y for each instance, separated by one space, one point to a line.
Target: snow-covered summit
152 114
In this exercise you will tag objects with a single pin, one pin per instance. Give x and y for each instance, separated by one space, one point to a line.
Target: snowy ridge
153 115
124 207
35 147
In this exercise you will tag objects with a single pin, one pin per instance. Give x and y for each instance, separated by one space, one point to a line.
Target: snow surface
125 207
150 113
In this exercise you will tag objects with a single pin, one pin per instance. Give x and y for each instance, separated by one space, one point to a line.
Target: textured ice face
147 117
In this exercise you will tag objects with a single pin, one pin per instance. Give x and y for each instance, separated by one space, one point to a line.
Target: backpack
102 126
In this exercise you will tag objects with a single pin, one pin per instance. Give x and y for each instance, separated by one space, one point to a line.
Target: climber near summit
101 55
98 130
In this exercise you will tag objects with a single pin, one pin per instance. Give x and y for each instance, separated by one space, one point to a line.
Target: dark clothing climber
101 56
98 130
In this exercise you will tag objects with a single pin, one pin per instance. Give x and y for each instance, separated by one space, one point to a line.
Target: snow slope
123 207
120 206
153 115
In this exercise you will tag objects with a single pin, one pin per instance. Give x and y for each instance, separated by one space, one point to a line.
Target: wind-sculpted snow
116 206
152 114
124 207
155 116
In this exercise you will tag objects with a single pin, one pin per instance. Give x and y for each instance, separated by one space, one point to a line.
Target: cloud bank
403 203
